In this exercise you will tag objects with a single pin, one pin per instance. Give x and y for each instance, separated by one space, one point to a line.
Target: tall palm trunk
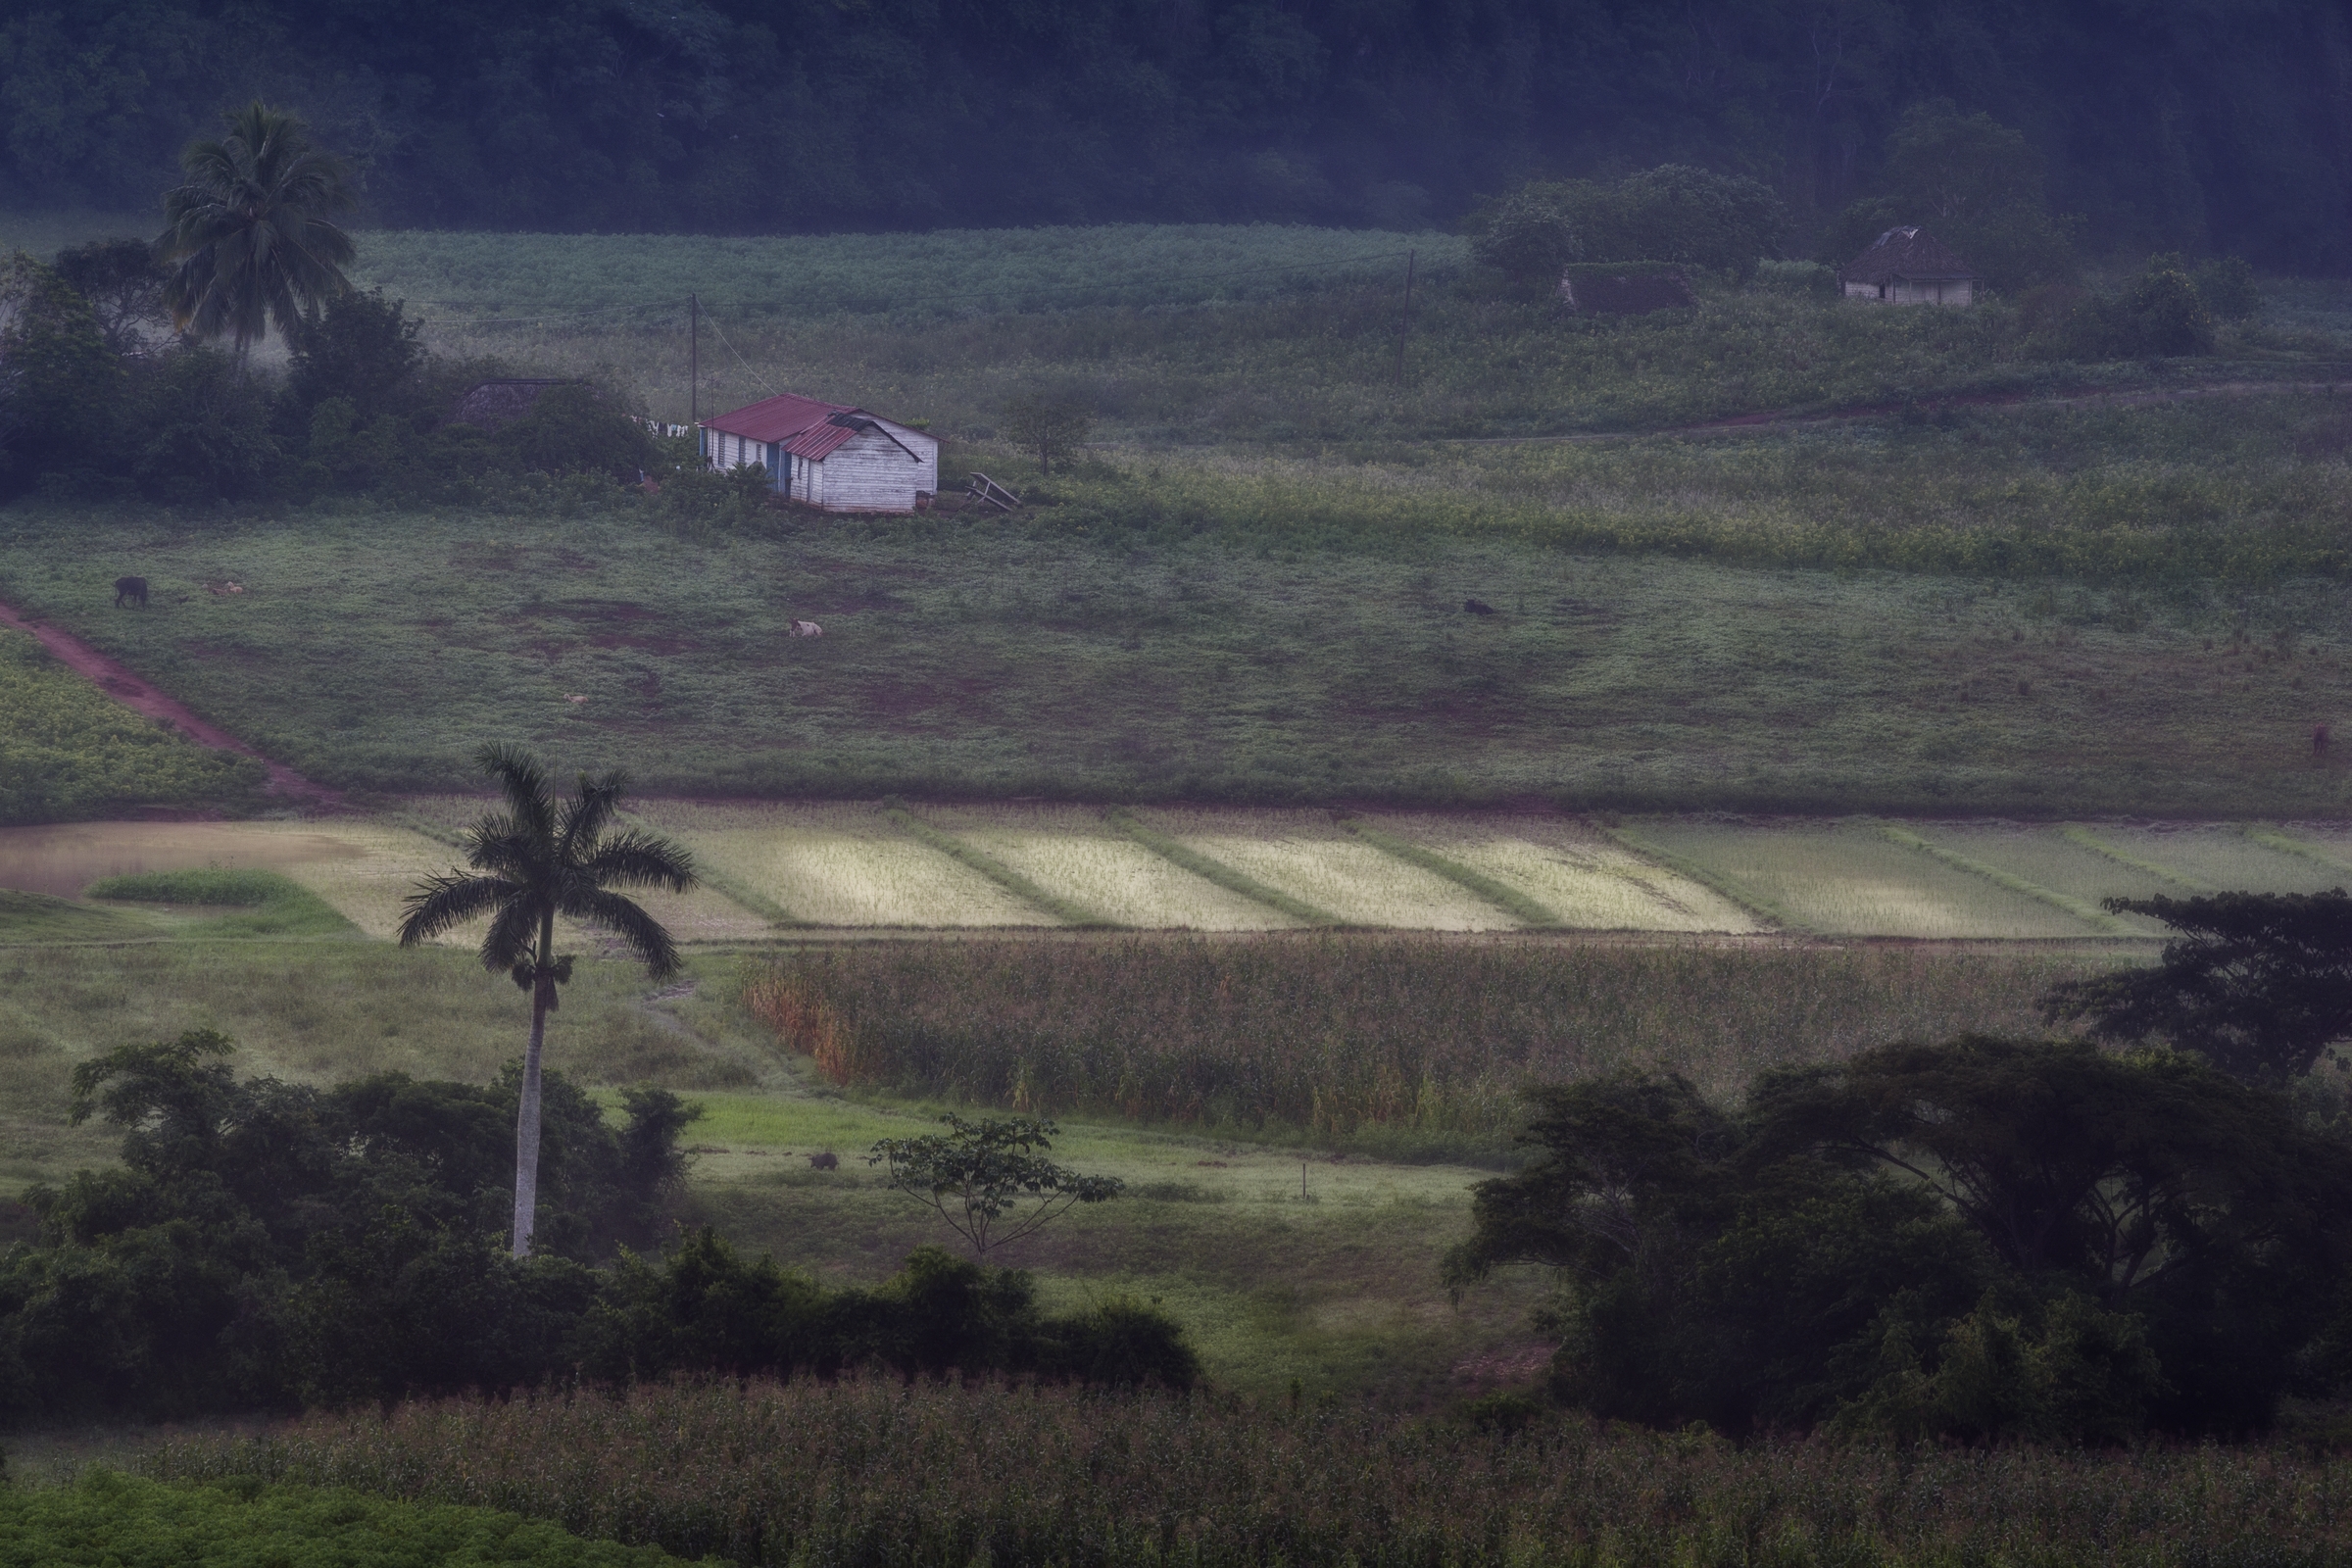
526 1115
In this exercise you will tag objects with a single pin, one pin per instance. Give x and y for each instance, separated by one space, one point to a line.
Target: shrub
1529 238
204 428
706 1308
107 1520
1984 1240
2228 288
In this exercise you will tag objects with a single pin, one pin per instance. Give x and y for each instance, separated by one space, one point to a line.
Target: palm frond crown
247 236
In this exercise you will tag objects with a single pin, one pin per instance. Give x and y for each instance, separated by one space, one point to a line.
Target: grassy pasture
986 658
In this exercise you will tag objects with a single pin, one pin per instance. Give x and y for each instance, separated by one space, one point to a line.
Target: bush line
2099 845
1225 876
1754 903
996 871
2090 914
1509 900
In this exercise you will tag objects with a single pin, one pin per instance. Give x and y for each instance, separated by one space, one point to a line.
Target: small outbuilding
828 455
1908 265
490 405
1598 289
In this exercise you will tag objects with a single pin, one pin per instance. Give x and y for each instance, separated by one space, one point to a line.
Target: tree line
2172 126
2067 1240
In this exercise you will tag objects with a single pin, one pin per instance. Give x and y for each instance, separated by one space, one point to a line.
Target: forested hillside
2165 123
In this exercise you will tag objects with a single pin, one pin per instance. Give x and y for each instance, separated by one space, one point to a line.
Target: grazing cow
1476 607
828 1161
807 628
131 588
2318 742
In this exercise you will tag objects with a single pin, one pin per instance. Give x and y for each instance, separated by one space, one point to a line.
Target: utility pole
1406 326
694 367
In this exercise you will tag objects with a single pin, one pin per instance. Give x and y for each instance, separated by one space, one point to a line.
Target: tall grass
1380 1038
881 1472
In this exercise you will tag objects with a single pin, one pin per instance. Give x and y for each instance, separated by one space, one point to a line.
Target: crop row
840 865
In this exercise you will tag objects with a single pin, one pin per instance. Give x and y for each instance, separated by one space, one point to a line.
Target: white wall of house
1956 292
872 473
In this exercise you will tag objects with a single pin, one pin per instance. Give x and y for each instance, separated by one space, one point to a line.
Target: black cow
133 588
1476 607
828 1161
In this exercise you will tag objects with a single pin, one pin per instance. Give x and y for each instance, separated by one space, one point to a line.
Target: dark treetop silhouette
536 860
249 243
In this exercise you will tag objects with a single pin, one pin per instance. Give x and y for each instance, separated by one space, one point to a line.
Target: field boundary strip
1208 868
1747 898
1503 896
725 886
2090 913
1004 876
2285 843
2098 846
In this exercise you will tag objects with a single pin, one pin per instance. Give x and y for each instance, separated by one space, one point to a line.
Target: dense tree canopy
2169 124
1981 1239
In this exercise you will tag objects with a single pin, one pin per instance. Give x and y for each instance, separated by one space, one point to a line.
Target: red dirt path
118 681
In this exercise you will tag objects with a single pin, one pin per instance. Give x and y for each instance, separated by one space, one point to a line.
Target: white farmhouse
826 456
1908 265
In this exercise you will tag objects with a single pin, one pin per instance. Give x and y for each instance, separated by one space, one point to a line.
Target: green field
1002 659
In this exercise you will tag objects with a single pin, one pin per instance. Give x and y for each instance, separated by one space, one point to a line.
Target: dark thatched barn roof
1592 292
488 405
1910 254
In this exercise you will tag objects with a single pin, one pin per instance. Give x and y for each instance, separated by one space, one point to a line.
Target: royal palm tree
249 242
536 860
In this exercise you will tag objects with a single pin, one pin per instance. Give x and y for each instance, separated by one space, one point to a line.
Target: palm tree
536 860
249 242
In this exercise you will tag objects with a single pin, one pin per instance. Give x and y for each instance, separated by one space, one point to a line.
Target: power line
738 353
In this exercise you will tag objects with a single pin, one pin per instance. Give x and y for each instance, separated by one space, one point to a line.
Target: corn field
1335 1035
878 1473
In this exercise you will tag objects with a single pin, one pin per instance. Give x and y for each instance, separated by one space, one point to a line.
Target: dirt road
135 694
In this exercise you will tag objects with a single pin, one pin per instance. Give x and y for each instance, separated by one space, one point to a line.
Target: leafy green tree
2258 983
361 347
61 390
2227 287
1529 237
249 240
1977 185
990 1179
1047 426
581 428
536 860
125 287
1677 213
2167 314
1985 1239
204 428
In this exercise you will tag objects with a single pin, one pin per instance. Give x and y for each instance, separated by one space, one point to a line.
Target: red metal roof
806 428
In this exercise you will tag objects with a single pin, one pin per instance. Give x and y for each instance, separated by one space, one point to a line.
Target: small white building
828 455
1908 265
